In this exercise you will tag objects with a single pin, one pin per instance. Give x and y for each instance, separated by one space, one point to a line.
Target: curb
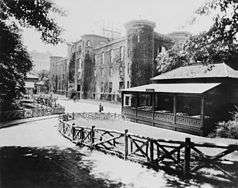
21 121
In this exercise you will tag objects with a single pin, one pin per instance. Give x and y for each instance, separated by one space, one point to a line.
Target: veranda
181 111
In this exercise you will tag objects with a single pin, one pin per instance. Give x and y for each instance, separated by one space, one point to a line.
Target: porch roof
196 88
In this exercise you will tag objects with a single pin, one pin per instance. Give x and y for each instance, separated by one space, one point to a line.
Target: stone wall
109 70
58 73
140 45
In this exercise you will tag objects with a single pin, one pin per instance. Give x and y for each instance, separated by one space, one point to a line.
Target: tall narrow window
121 52
138 38
102 87
103 58
110 87
121 85
128 68
110 71
110 58
127 101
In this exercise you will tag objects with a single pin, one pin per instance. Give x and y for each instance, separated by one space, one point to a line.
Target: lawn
148 131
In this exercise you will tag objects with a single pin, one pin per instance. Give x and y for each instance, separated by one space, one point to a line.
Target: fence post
126 144
92 134
82 135
24 116
67 117
151 150
186 169
158 151
73 131
131 144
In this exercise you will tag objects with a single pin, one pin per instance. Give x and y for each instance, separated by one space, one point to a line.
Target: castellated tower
140 46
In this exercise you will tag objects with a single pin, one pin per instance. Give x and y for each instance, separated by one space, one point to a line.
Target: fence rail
29 113
182 156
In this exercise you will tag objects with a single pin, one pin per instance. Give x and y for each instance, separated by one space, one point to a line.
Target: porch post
202 114
174 107
122 101
137 104
153 107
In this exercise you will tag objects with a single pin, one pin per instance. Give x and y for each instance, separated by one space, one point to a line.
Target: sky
90 16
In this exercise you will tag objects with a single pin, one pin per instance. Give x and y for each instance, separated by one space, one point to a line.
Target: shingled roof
195 88
220 70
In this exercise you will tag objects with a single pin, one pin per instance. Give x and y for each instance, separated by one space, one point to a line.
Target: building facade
99 68
110 70
81 56
58 74
128 61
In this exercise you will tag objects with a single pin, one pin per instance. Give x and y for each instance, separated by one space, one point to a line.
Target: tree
44 77
72 63
15 61
43 74
218 44
171 59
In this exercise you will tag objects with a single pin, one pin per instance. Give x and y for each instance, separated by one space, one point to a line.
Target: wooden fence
182 156
29 113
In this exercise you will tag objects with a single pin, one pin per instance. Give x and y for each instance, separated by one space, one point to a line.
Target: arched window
121 52
88 43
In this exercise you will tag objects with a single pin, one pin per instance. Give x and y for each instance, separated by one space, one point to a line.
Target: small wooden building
188 99
30 81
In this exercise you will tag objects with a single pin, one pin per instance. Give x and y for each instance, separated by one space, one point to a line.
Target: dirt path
35 155
27 167
83 105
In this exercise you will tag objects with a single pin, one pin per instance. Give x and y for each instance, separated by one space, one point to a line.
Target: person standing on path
100 107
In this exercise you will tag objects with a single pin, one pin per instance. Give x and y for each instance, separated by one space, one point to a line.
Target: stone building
81 64
58 74
128 61
99 68
110 70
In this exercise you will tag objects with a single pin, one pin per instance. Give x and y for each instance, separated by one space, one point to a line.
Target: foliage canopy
218 44
15 61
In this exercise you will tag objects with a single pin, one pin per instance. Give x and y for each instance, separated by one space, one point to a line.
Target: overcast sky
89 16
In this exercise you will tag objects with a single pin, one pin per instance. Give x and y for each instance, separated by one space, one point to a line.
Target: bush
228 129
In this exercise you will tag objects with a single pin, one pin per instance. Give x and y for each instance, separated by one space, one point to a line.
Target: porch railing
163 116
185 120
167 117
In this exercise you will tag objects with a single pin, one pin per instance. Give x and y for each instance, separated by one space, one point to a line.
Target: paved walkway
34 154
87 105
21 121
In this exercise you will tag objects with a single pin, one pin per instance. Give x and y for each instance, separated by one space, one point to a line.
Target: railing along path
182 156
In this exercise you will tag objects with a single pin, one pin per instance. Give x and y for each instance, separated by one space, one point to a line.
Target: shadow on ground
30 167
207 176
27 167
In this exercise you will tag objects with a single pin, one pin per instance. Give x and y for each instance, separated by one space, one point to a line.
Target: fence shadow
203 162
46 168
